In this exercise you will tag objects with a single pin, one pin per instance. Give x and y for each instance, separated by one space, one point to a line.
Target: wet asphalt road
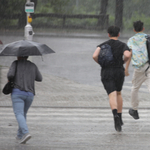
72 60
73 57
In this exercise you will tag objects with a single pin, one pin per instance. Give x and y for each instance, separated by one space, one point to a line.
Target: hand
126 72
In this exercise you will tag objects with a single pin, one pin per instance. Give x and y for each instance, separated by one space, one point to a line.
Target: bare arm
96 53
127 60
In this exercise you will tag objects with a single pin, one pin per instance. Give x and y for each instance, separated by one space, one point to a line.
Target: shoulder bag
9 85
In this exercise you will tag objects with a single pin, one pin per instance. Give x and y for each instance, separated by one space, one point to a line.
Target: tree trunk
119 13
103 11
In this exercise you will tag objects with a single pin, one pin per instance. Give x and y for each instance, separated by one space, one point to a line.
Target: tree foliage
55 6
132 9
9 7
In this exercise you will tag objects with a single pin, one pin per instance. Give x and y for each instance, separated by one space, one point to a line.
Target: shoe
25 138
134 113
18 139
121 122
117 123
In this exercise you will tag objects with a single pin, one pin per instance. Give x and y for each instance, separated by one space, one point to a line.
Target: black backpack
148 47
105 57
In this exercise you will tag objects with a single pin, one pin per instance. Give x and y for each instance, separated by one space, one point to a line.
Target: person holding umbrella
24 73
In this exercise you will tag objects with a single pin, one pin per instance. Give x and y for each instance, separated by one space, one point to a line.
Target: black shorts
112 79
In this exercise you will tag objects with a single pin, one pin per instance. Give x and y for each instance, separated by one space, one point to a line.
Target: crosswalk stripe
73 114
70 115
71 124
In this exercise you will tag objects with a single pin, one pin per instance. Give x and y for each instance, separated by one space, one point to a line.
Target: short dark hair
138 26
26 57
113 31
23 57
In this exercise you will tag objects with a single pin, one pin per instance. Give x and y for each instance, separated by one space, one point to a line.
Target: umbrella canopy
25 48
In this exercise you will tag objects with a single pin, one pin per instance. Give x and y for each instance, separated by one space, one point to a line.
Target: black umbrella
25 48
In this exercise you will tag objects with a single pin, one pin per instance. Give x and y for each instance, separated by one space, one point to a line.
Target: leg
19 134
113 100
28 103
110 87
119 80
18 107
138 79
119 104
147 81
118 98
114 106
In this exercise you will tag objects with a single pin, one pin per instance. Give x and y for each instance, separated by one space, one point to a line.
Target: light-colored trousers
139 76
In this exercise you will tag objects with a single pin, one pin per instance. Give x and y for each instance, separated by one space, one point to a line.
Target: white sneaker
25 138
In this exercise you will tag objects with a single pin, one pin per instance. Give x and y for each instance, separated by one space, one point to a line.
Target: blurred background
75 14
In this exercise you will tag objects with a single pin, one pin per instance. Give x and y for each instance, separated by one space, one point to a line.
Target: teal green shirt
139 51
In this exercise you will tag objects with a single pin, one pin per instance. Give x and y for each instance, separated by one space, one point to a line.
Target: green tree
10 7
53 6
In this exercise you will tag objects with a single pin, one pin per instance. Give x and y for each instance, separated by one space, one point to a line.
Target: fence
102 20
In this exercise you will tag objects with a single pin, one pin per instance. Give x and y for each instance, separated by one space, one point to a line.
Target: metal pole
28 33
28 14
